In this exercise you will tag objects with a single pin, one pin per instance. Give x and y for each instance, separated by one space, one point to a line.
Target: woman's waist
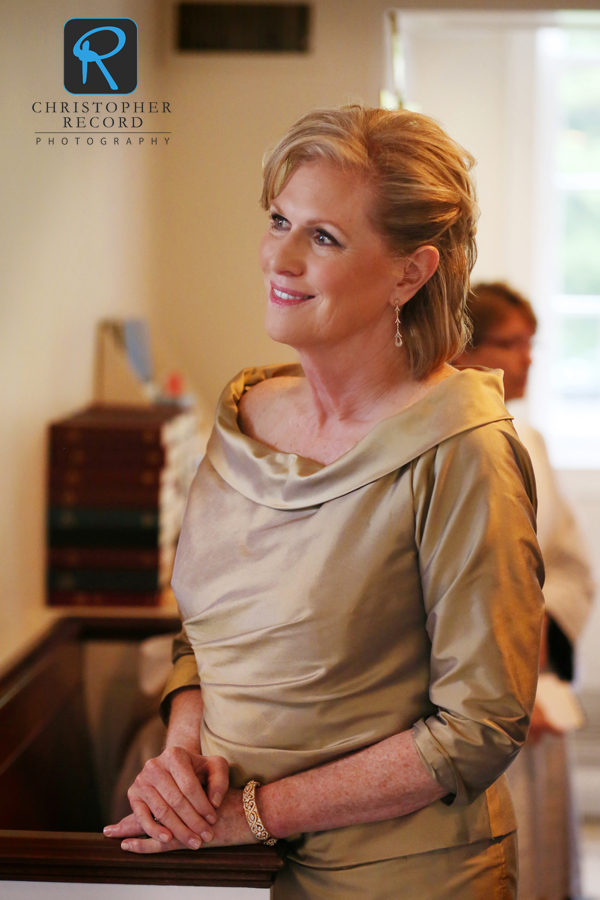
270 734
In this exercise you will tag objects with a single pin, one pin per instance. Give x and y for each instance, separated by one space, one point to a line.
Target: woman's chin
283 329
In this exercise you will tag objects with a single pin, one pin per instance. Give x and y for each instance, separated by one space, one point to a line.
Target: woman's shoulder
486 444
489 457
269 404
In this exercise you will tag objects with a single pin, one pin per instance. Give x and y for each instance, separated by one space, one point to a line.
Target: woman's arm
383 781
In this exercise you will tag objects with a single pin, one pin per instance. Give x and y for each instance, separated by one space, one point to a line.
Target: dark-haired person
358 573
504 325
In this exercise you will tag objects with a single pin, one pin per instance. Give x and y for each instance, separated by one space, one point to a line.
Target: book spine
109 496
119 432
130 476
72 519
104 538
104 598
66 457
138 437
102 558
103 580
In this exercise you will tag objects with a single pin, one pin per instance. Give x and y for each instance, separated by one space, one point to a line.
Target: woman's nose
288 257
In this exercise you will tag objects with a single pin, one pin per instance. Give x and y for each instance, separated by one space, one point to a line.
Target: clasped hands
180 801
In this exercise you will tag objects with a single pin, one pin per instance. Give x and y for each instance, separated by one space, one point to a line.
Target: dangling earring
398 339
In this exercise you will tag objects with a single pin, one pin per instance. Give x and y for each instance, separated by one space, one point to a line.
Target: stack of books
118 480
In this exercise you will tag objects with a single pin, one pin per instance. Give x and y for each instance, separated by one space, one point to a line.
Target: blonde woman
358 574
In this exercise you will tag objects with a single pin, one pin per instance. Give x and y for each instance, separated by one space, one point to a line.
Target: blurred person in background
504 325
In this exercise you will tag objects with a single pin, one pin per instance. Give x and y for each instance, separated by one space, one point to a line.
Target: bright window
569 66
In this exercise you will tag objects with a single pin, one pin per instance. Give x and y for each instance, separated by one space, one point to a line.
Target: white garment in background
539 777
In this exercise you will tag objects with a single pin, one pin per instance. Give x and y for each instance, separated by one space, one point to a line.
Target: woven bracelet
252 817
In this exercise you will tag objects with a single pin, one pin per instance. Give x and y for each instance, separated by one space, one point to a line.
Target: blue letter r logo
86 55
87 43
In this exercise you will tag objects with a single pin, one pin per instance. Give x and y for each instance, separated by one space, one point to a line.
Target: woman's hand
169 803
231 829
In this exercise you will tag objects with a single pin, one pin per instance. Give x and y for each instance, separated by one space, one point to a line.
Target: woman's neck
361 387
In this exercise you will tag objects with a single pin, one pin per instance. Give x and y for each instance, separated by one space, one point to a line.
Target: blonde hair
423 195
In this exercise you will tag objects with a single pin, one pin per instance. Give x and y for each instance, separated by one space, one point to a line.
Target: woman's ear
416 271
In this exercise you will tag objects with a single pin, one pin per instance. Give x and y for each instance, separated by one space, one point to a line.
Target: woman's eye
277 222
325 239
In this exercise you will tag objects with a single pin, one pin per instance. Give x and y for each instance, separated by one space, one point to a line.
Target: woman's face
328 274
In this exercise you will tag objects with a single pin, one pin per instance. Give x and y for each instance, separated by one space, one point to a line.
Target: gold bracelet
252 817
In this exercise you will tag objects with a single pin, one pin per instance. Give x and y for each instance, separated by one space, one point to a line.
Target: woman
359 543
504 325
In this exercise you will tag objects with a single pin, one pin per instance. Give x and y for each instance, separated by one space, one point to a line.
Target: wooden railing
48 856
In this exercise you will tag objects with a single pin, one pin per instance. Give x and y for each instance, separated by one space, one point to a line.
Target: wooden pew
50 821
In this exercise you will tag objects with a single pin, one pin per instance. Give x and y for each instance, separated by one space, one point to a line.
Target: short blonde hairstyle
423 195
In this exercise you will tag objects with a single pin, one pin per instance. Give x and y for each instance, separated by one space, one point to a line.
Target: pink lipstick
284 297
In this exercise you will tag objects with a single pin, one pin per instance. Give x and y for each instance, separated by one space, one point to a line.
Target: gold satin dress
327 607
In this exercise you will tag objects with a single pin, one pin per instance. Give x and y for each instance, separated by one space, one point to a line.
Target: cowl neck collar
466 399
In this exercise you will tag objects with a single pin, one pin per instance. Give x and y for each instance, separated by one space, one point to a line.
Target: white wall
476 78
77 230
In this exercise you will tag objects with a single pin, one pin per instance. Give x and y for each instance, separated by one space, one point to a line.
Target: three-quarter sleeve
481 572
184 673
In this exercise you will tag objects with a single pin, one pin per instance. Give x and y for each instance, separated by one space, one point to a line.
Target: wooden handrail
65 856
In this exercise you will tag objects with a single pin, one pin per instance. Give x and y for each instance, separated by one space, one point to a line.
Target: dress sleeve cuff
438 764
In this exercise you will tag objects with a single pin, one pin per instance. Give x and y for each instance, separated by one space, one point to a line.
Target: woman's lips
283 297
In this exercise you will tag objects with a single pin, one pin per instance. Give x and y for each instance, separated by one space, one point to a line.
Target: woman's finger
177 814
217 769
188 782
165 818
176 775
149 845
149 821
127 827
160 806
